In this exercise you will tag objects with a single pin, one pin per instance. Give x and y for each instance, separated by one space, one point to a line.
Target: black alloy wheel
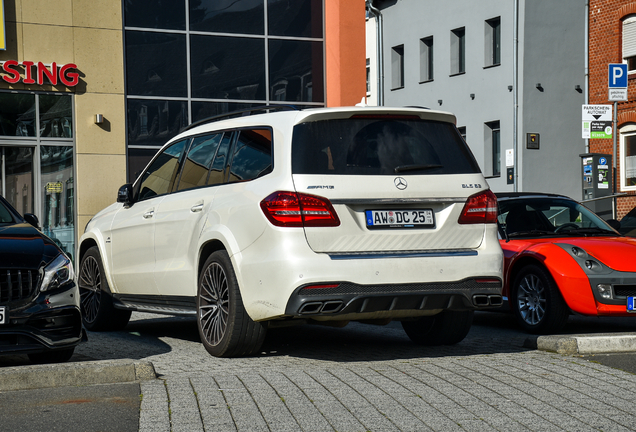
446 328
96 301
214 303
225 328
90 289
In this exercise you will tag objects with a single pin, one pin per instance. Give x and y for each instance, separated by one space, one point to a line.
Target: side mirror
32 220
614 224
125 194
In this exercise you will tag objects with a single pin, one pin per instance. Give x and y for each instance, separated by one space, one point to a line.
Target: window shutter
629 38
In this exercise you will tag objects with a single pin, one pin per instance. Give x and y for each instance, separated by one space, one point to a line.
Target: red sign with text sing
39 73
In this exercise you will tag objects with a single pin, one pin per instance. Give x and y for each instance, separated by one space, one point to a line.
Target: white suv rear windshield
380 146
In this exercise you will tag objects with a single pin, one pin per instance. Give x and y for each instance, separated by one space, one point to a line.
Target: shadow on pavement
150 335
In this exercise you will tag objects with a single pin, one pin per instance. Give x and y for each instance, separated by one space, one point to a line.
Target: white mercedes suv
319 215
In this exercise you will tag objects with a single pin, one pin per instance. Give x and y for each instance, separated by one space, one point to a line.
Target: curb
75 374
601 343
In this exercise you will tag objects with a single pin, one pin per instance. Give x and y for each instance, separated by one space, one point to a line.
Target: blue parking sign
617 75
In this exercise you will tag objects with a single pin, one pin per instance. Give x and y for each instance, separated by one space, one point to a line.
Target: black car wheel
537 302
98 312
446 328
225 328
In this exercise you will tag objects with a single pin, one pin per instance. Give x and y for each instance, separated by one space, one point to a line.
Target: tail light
480 208
292 209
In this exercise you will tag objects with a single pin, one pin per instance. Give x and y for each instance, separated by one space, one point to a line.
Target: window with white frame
629 42
492 38
426 59
397 67
458 51
628 158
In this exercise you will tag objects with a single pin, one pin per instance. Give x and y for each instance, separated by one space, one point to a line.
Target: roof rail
241 113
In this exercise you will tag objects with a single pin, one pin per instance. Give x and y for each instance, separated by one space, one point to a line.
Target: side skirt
167 305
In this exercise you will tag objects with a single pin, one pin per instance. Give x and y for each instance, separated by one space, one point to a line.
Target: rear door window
252 156
380 146
196 165
218 170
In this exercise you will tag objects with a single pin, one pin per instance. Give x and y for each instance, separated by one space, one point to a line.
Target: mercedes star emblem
400 183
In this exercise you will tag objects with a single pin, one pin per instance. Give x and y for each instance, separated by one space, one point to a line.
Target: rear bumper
353 301
273 276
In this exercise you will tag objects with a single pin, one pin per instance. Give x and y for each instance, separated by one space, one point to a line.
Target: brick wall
605 46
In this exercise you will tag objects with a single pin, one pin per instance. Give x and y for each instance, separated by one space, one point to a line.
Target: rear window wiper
588 230
530 233
404 168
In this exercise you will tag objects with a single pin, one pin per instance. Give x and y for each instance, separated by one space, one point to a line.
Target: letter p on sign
617 75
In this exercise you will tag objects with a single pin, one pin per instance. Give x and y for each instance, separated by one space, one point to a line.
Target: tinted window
5 214
379 147
202 110
295 68
230 16
217 173
56 117
252 155
295 18
159 14
153 122
160 175
228 67
18 114
156 64
138 158
197 163
628 223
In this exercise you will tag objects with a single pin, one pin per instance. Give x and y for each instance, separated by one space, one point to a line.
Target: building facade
90 90
612 36
512 72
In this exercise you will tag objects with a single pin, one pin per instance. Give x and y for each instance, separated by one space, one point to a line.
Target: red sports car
561 258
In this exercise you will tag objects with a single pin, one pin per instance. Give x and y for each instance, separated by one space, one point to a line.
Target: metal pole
614 133
515 73
380 50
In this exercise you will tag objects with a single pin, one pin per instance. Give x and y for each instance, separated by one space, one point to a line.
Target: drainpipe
515 73
587 64
378 42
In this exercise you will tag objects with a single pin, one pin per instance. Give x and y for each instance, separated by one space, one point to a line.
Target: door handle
196 208
149 214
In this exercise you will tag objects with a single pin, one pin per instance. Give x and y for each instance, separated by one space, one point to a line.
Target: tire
225 328
56 356
537 302
446 328
96 300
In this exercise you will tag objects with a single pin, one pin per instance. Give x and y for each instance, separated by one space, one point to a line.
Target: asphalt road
112 407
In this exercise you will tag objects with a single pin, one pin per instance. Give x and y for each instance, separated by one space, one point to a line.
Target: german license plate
400 218
3 315
630 304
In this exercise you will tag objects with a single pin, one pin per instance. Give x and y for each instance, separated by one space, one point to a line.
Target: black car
628 224
39 299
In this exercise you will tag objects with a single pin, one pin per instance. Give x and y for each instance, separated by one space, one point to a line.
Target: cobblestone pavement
368 378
